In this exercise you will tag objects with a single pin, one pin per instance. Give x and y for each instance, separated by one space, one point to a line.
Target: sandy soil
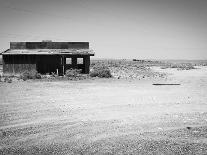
106 116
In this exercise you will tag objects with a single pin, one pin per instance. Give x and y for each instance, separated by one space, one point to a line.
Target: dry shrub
33 74
179 66
10 80
101 71
183 66
73 73
53 74
38 76
7 79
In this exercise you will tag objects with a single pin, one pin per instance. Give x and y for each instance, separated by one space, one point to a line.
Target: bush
183 66
179 66
38 76
101 71
33 74
7 79
53 74
72 73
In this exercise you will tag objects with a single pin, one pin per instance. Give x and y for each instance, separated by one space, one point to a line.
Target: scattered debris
188 127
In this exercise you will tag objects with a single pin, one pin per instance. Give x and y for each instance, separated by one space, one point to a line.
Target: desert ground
107 116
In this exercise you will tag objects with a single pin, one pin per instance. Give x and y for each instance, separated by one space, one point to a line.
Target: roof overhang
83 52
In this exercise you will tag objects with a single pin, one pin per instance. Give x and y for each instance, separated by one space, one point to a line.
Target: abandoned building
46 57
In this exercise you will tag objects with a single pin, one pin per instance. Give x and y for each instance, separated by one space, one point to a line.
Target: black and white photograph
103 77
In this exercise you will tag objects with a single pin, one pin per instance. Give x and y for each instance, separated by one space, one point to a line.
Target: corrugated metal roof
48 52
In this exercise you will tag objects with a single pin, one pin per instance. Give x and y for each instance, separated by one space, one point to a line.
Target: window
68 61
79 60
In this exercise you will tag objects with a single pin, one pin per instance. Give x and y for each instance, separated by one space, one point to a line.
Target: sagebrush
101 71
32 74
72 73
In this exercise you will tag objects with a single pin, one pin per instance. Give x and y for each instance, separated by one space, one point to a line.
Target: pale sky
142 29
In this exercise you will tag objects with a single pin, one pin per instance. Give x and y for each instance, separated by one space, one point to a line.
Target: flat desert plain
106 116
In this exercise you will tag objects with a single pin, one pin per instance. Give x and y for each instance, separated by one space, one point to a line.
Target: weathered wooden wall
48 64
15 64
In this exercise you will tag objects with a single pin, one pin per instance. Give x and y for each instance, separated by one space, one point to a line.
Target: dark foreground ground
106 116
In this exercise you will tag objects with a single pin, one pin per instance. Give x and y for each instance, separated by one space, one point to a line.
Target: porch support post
3 63
86 62
63 64
74 62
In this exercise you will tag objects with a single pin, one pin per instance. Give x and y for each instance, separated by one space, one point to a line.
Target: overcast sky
142 29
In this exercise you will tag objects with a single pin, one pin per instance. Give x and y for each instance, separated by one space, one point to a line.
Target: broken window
79 60
68 61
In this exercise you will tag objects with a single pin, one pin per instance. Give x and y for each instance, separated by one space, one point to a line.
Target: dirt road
106 116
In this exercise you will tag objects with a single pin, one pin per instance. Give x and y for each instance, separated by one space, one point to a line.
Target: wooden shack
46 57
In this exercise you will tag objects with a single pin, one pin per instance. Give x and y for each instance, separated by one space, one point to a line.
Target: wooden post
3 63
13 71
74 62
63 63
86 62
